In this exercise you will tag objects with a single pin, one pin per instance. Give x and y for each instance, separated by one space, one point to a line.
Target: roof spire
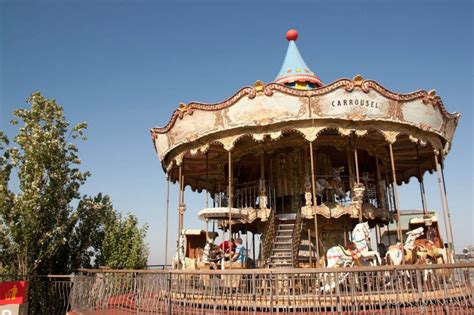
294 71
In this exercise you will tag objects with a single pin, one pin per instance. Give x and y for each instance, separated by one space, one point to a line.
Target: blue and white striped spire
294 71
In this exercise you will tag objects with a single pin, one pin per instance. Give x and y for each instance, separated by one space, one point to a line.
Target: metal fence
47 294
416 289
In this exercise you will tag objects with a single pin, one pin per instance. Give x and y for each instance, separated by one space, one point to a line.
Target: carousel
312 169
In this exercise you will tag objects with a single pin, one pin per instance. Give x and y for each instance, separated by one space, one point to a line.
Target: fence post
254 296
338 293
420 291
271 293
169 293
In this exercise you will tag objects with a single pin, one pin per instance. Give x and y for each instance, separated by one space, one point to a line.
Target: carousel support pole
246 245
420 181
380 191
253 246
167 217
180 198
379 180
388 189
377 235
230 198
207 197
388 233
262 187
443 204
397 204
310 248
345 234
356 162
447 207
350 166
207 180
315 199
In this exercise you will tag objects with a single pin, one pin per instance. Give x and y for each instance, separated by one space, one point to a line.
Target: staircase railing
268 236
296 238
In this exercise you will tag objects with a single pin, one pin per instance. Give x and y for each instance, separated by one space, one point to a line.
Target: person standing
239 255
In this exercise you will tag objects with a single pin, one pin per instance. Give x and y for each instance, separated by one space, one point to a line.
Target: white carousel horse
334 184
394 253
339 256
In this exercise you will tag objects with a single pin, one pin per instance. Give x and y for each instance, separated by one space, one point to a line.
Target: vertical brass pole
315 199
447 207
253 246
397 204
379 180
345 234
380 195
443 204
180 200
230 199
167 217
262 181
420 181
310 248
350 166
207 180
356 161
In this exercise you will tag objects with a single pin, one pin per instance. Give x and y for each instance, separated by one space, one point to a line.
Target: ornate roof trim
348 84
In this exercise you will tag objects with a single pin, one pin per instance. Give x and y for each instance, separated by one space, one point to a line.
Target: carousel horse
340 256
336 182
394 253
428 252
321 185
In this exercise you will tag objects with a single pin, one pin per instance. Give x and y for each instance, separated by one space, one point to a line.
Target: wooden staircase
283 242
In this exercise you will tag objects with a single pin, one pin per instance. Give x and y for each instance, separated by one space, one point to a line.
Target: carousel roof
294 69
271 116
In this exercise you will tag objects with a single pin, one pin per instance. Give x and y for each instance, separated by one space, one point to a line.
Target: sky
124 66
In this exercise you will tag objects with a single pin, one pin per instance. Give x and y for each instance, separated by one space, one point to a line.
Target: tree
123 245
37 221
41 232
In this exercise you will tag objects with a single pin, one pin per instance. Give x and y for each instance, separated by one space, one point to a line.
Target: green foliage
41 232
37 222
123 246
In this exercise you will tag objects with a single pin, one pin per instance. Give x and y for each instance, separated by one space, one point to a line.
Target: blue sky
124 67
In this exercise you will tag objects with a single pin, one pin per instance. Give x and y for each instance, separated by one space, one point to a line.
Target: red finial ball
292 35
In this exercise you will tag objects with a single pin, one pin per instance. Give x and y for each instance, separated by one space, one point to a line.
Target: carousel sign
354 102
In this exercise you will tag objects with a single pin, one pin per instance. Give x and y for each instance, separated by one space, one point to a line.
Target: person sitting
214 256
239 255
227 248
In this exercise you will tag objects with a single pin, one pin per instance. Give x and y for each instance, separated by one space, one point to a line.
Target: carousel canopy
270 117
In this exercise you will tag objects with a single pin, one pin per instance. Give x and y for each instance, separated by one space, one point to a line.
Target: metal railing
296 239
48 294
387 290
268 236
